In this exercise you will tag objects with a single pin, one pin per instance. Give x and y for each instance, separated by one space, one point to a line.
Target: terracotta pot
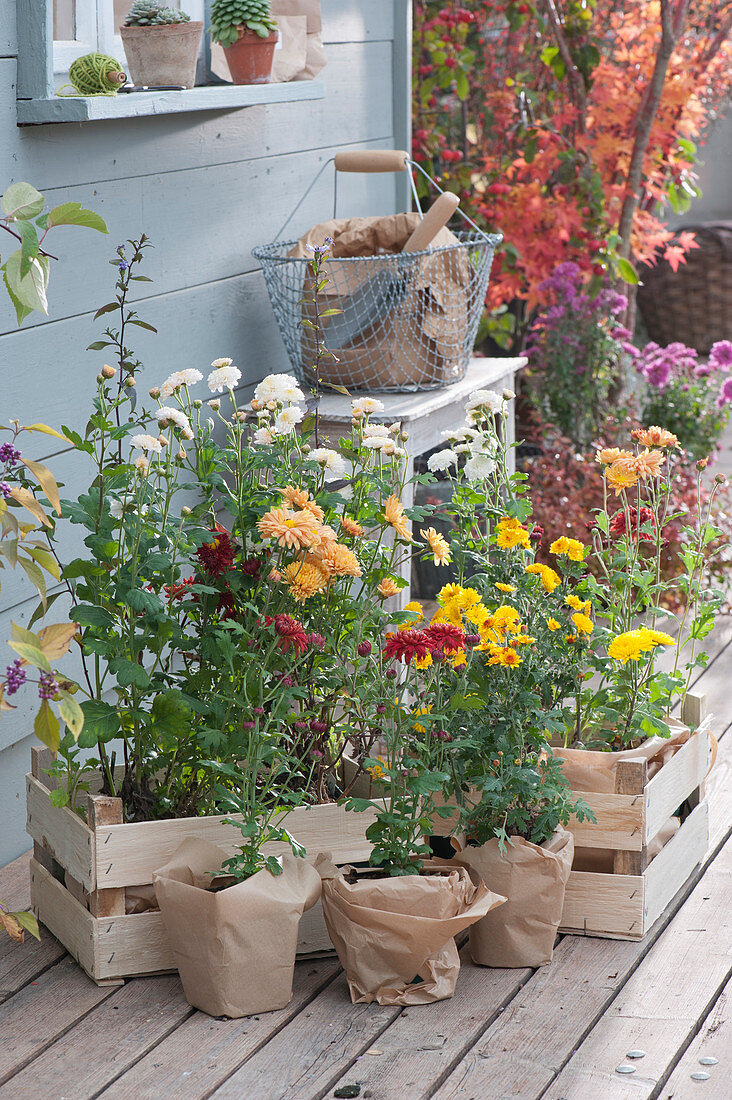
250 57
162 55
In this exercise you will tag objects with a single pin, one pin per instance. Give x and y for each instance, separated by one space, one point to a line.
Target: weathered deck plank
713 1041
660 1006
202 1053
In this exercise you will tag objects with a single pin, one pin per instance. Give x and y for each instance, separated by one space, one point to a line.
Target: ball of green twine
89 74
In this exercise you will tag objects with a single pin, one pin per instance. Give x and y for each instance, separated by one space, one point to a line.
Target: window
83 26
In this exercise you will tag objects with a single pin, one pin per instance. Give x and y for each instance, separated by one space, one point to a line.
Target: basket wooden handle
371 160
437 216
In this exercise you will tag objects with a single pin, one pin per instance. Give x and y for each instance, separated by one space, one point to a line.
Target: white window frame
95 31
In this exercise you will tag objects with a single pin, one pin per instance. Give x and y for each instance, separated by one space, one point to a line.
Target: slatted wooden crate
81 872
626 903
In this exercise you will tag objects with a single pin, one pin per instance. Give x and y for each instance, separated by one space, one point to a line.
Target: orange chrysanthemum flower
387 588
294 498
438 545
655 437
351 527
608 455
305 579
297 530
619 477
338 560
649 463
396 517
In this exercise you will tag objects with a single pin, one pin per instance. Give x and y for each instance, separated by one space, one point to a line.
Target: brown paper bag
587 770
420 338
533 879
234 949
389 932
301 55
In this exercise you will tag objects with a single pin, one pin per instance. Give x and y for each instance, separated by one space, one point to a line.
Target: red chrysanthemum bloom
226 606
445 637
217 557
177 591
618 523
292 634
407 645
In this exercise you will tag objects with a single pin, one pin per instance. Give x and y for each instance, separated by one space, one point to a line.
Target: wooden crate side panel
676 780
127 855
604 904
62 915
619 824
62 833
668 872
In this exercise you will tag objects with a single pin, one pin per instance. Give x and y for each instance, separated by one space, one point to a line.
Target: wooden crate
81 871
624 904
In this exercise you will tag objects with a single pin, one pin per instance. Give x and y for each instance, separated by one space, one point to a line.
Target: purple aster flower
721 355
725 394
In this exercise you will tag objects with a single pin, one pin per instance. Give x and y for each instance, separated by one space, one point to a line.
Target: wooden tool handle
436 217
371 160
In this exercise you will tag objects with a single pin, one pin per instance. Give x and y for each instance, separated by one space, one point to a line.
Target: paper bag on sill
235 948
301 29
395 936
420 338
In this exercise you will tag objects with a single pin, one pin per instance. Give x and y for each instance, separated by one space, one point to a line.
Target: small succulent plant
228 15
152 13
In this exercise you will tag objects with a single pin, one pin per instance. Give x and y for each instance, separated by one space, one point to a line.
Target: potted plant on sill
248 33
161 44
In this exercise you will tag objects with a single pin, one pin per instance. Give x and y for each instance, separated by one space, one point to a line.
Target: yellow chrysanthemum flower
549 578
451 613
379 770
572 548
478 614
524 639
304 579
459 658
510 658
583 623
553 624
438 545
505 587
620 477
421 710
634 643
506 619
509 537
574 602
396 517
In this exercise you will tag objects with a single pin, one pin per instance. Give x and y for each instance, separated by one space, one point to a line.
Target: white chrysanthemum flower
219 363
125 504
478 467
141 464
167 416
287 419
375 442
390 448
147 443
376 429
463 449
331 462
279 388
484 399
262 436
442 460
508 395
367 405
179 378
223 378
461 434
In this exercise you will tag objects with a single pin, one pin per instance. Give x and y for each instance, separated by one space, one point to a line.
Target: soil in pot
162 55
533 878
234 945
250 57
395 936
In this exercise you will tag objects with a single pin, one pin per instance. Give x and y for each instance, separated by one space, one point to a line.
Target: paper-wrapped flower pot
234 948
395 936
533 878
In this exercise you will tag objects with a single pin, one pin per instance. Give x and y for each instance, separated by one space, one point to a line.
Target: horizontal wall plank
354 21
8 33
357 107
203 230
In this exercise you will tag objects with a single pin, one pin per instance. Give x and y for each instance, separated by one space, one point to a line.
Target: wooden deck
558 1032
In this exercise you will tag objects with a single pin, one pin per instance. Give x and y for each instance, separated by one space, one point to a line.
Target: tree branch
19 238
575 76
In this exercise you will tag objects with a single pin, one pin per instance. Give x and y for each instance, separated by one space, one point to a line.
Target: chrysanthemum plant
232 591
522 621
625 689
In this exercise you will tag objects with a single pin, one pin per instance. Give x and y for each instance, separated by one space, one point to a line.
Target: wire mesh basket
407 320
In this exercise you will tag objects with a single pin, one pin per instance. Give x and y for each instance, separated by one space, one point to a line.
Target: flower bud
404 436
181 456
357 415
154 392
255 406
215 404
720 479
130 382
185 511
107 371
364 649
508 395
391 674
197 404
702 464
163 440
240 416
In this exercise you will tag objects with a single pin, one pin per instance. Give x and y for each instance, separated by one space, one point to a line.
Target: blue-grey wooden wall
206 188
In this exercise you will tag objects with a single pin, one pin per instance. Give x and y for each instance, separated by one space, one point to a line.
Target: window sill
141 104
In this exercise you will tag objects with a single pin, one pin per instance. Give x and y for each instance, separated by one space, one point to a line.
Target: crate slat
670 786
619 822
668 872
596 904
62 833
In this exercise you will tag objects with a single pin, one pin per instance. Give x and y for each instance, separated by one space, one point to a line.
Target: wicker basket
694 304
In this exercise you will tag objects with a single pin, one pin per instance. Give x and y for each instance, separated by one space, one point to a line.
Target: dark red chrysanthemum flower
251 567
292 634
177 591
618 523
226 606
217 557
445 638
407 645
